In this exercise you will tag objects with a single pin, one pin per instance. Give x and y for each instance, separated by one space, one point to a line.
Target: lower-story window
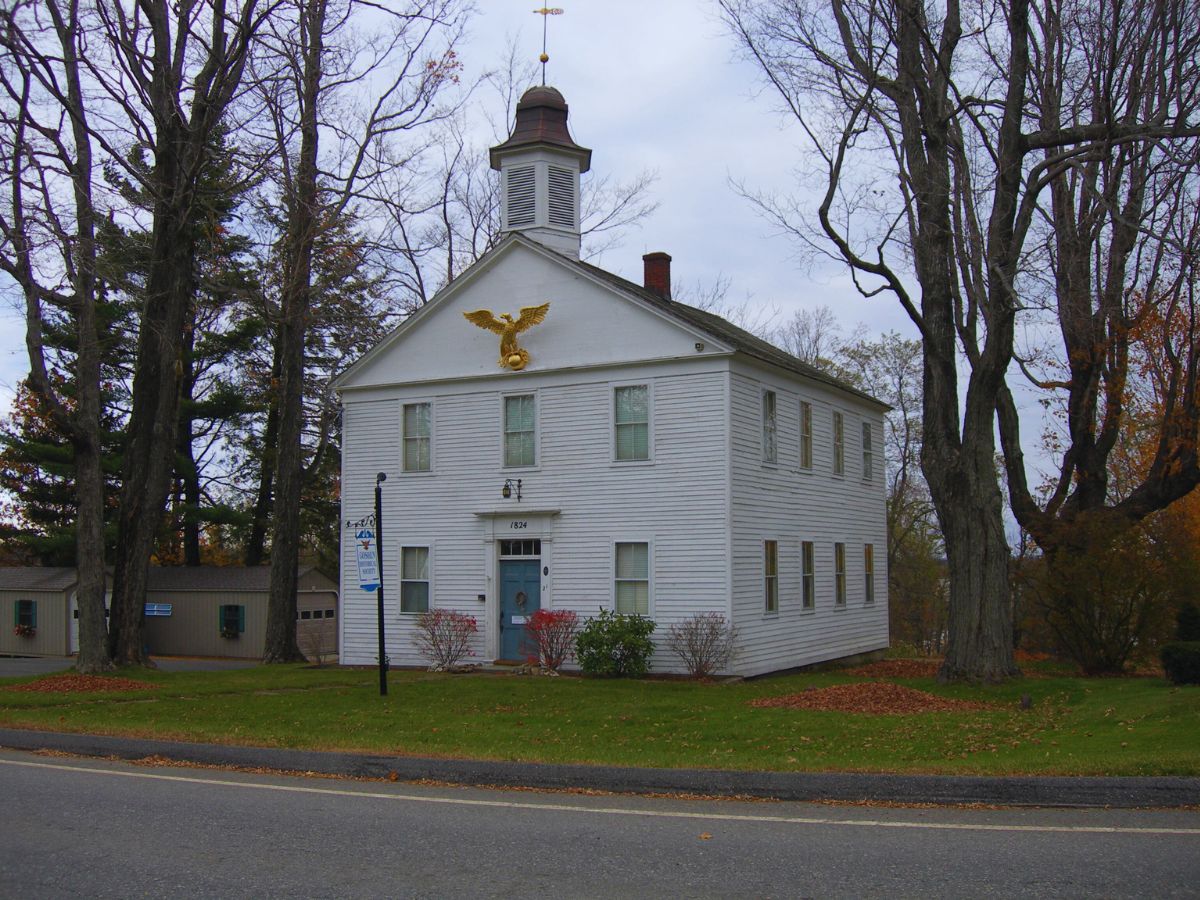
414 579
839 574
771 576
233 619
869 572
25 614
632 580
807 575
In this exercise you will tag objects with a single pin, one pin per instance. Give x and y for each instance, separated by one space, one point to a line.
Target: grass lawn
1077 726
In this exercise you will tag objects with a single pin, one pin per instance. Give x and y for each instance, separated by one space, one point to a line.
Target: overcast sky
652 86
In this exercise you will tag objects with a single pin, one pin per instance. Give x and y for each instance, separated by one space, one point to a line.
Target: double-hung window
808 587
805 434
631 422
869 572
839 574
771 576
769 428
520 430
414 579
632 578
839 444
25 614
868 452
416 437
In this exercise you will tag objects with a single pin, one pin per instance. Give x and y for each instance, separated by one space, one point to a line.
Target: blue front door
520 598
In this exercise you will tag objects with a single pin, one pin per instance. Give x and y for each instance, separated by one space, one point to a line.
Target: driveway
28 666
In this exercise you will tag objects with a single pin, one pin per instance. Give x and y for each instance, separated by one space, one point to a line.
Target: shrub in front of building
615 645
444 637
704 643
1181 661
550 634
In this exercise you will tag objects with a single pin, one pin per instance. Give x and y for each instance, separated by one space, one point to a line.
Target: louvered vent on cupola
562 197
522 196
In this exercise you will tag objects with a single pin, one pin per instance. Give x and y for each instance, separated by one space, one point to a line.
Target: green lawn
1128 726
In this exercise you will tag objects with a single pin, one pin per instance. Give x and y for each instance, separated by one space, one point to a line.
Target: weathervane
545 12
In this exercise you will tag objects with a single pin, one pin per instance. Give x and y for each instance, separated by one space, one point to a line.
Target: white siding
677 501
790 505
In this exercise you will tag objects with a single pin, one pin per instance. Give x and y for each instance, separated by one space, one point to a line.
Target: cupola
539 169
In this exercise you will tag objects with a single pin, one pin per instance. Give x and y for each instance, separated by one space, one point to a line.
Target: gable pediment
589 323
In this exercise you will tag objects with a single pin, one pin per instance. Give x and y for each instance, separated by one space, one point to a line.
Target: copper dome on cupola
541 120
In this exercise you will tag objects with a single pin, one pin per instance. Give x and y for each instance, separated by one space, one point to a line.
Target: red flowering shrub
444 637
550 634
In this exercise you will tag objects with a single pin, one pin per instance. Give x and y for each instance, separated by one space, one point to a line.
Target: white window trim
648 384
420 473
800 464
427 545
838 466
537 431
762 426
612 568
807 610
770 613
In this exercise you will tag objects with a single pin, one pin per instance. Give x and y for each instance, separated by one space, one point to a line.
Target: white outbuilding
555 436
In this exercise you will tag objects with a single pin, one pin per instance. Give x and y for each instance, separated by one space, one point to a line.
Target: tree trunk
189 475
980 640
303 223
150 454
256 544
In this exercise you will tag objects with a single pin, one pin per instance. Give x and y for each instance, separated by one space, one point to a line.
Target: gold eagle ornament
511 356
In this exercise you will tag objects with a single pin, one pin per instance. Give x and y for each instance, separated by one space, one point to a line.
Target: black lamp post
383 660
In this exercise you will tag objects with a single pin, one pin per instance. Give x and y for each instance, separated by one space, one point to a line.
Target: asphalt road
91 828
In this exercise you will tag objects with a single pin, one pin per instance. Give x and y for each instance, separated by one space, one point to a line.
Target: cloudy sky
651 86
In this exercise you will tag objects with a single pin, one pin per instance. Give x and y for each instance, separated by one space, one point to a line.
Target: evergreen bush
1181 661
1187 622
614 644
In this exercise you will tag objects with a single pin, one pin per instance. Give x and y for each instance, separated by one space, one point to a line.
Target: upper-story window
868 452
839 444
769 428
631 422
805 434
520 430
416 437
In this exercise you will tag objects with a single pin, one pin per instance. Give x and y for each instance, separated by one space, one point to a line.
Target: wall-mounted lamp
507 490
699 346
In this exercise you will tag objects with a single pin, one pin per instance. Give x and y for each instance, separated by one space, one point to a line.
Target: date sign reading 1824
518 525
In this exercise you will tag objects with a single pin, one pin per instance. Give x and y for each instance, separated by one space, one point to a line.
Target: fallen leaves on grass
71 684
872 697
898 668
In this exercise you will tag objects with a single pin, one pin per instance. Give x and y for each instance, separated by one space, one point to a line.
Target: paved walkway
940 789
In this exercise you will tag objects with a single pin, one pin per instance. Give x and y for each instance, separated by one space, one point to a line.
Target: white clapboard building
618 451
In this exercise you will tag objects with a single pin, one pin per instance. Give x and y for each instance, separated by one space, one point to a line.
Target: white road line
609 811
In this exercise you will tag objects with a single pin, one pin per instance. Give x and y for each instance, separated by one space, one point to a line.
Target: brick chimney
658 274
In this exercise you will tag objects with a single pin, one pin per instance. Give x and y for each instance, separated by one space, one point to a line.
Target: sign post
383 660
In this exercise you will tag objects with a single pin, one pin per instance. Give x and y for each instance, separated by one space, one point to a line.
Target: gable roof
739 339
37 578
720 330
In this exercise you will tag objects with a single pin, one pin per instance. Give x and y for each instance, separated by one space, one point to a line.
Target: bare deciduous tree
48 248
946 135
